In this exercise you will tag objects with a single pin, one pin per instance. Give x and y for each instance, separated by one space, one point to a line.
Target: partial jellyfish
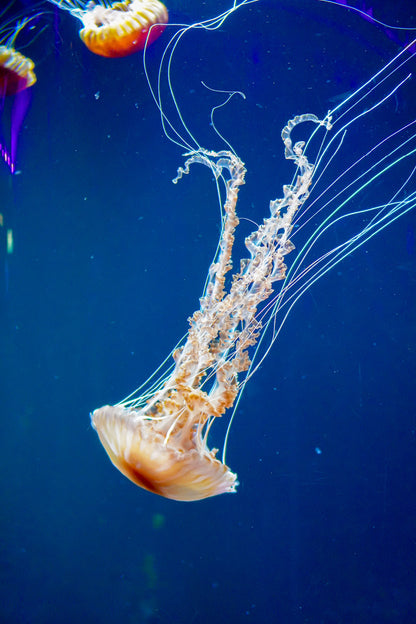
116 29
158 435
16 70
16 77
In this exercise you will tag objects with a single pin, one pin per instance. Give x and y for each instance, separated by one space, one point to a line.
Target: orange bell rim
143 455
122 28
16 71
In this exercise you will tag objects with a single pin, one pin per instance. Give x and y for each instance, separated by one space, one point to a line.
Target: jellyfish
16 77
158 436
117 29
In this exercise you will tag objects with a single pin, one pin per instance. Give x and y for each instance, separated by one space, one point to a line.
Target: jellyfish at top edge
16 77
117 29
158 435
16 70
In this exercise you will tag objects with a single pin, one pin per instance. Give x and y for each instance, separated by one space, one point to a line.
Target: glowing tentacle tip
176 467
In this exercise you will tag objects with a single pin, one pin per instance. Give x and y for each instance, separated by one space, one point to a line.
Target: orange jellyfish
158 436
16 76
16 70
120 28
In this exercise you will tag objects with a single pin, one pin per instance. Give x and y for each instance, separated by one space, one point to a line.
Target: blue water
108 263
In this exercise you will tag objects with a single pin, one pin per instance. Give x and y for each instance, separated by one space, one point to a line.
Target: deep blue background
109 261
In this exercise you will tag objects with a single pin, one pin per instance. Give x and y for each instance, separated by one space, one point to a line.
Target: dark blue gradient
109 261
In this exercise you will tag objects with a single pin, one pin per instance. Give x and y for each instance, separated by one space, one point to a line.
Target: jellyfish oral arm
226 326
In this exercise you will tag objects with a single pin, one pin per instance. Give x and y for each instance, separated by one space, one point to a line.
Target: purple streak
18 113
20 107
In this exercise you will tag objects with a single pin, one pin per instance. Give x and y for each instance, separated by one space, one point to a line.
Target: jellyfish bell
16 70
166 454
124 27
120 28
